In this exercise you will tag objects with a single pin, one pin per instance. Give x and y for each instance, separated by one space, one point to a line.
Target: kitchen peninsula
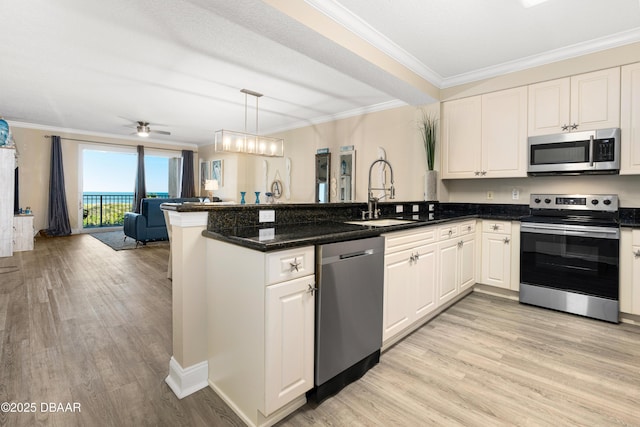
213 246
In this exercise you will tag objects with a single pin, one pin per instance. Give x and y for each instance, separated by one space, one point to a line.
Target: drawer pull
468 228
294 265
450 233
495 227
637 253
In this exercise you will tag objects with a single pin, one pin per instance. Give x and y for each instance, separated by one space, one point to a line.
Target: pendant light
248 143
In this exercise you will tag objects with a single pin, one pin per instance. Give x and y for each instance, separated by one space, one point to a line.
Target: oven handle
572 230
591 151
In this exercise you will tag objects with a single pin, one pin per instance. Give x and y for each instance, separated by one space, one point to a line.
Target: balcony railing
105 210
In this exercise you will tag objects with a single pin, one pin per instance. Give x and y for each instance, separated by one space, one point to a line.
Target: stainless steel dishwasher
348 313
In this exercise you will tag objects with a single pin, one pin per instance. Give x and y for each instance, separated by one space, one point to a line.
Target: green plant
428 126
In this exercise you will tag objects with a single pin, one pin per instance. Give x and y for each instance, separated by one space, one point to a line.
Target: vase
431 185
257 197
242 194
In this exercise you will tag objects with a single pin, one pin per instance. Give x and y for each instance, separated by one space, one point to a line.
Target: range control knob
594 202
547 201
536 200
607 202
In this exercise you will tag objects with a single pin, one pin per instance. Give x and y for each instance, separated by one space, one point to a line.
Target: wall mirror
323 168
347 173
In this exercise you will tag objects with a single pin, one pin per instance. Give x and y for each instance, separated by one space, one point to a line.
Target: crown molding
359 27
556 55
356 25
36 126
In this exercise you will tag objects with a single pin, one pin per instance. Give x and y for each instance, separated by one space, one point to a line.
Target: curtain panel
188 175
58 214
140 190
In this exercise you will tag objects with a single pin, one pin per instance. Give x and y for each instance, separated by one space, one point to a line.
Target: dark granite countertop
277 237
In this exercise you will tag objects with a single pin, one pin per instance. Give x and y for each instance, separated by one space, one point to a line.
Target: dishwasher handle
357 254
345 257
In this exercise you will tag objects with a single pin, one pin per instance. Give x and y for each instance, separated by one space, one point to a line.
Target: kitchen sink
382 222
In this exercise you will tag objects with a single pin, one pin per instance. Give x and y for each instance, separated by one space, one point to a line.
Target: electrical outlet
515 194
399 208
489 195
267 216
415 208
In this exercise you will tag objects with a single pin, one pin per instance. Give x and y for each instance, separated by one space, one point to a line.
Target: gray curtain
58 213
188 176
140 191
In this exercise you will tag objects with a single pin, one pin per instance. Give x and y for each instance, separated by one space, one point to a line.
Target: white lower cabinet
289 329
500 254
261 313
496 254
457 260
630 271
409 292
424 269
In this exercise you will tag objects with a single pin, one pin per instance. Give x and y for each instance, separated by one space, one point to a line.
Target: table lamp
210 185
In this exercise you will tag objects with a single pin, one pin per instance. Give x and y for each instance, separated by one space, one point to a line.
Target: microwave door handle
591 151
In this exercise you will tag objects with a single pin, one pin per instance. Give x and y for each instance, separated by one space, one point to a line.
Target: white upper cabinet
582 102
485 136
630 120
462 137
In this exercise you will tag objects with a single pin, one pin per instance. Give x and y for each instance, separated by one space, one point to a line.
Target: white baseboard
185 381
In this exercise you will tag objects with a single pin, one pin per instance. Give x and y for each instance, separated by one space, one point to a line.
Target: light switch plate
267 215
415 208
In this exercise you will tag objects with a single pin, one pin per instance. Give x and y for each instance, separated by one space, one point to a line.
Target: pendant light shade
248 143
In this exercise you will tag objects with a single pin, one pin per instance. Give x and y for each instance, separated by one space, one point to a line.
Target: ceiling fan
143 129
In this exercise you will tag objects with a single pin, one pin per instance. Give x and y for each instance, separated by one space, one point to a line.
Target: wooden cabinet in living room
630 120
23 233
410 279
7 174
581 102
485 136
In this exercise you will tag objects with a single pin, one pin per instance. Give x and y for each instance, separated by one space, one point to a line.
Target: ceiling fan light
143 131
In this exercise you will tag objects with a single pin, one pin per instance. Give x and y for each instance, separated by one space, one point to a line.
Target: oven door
574 258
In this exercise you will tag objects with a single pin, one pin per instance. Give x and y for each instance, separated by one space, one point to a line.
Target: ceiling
97 67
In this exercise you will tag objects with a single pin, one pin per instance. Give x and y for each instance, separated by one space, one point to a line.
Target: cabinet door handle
293 266
506 240
311 289
460 243
477 173
637 253
574 126
483 173
565 127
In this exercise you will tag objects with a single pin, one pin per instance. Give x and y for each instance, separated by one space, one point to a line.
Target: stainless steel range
569 254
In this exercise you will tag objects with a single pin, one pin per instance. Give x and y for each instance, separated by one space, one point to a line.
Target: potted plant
428 125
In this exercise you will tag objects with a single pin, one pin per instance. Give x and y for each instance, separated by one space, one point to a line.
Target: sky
109 171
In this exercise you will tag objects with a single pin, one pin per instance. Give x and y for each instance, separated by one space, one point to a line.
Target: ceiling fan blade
161 132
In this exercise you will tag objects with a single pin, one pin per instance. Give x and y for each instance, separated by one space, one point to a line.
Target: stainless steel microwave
596 151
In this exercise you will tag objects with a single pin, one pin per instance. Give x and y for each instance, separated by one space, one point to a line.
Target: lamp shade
211 184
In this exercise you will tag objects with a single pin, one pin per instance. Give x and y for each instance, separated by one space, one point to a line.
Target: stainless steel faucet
372 206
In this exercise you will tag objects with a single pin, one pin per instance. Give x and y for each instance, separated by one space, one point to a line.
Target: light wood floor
80 322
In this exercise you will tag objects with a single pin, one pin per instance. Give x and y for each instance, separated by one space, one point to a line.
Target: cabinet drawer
635 237
290 264
448 232
502 227
467 227
407 239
